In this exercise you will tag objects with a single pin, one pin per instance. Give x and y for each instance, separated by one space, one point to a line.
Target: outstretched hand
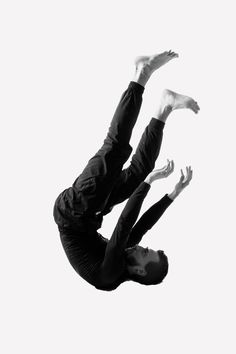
161 173
183 182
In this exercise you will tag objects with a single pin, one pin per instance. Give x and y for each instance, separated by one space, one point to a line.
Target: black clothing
79 210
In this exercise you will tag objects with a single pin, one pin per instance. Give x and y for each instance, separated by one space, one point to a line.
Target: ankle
163 113
141 77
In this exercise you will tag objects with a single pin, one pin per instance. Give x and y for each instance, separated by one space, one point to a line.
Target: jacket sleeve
148 219
118 241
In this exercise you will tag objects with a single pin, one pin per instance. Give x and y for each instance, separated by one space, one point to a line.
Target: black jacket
100 261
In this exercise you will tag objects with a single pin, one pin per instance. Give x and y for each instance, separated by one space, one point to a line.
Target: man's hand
161 173
183 182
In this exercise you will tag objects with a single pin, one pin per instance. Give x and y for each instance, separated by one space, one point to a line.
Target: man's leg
98 177
105 166
143 161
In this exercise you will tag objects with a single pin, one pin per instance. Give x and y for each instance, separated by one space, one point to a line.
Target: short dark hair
156 272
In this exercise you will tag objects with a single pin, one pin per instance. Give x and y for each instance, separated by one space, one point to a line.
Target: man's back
86 254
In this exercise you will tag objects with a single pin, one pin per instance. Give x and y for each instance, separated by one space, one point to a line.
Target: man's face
143 255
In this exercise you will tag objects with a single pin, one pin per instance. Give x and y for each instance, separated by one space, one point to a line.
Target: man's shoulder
109 286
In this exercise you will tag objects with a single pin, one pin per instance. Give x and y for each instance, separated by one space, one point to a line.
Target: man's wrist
148 180
173 194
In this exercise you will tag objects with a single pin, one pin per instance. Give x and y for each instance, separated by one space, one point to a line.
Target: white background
64 66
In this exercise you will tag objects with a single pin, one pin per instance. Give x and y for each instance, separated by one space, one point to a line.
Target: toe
173 55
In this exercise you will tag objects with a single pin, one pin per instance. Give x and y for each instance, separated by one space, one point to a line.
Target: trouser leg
147 152
99 176
142 163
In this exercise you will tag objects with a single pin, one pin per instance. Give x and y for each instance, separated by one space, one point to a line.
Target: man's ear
139 270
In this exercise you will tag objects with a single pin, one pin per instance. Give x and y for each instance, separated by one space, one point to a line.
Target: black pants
103 182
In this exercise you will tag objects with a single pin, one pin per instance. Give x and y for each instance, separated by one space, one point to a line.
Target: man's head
146 266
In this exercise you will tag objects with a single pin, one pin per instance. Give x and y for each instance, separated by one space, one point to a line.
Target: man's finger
168 166
182 176
165 169
190 172
171 169
189 177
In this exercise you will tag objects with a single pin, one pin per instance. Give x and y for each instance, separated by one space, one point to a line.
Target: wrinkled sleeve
118 241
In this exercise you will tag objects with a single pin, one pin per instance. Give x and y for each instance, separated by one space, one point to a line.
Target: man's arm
128 217
112 263
131 211
148 219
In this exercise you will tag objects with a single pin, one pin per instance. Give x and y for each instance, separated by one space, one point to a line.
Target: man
79 210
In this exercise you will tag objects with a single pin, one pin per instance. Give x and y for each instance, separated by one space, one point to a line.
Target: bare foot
148 64
174 101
